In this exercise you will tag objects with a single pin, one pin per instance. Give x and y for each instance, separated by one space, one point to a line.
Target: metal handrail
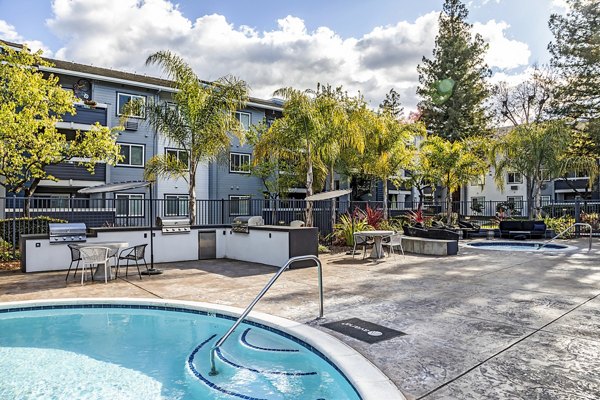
568 229
213 350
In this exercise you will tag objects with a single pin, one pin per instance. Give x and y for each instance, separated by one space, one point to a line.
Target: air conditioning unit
514 188
131 125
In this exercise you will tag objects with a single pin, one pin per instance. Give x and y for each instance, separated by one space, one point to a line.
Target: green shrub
343 231
6 252
560 224
25 226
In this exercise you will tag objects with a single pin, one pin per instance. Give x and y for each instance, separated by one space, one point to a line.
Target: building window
133 155
478 204
546 200
239 205
244 118
129 205
516 201
239 163
514 177
176 205
181 155
124 98
479 181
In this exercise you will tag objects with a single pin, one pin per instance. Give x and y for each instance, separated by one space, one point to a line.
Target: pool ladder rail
219 343
567 230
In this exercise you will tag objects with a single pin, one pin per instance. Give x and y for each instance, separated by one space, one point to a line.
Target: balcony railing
87 115
77 172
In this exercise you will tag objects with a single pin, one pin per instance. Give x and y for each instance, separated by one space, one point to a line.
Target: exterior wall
224 183
491 192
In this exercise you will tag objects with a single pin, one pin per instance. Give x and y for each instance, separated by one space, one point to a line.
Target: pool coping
366 378
566 249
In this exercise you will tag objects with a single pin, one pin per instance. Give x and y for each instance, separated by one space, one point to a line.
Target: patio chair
75 257
95 256
392 241
135 253
361 240
297 224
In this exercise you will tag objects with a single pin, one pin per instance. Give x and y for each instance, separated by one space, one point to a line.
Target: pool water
153 353
519 246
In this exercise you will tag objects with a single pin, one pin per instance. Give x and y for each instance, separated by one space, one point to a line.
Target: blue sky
369 46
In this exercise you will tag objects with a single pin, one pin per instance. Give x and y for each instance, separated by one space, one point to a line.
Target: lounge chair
468 228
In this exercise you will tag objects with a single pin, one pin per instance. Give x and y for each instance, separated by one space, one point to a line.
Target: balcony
579 184
86 115
66 171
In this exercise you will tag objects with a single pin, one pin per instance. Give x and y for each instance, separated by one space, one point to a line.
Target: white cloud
10 34
503 52
122 33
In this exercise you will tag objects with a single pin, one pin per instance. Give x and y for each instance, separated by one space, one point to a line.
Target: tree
200 123
451 164
576 57
387 152
392 104
528 102
452 83
340 129
30 106
537 151
295 138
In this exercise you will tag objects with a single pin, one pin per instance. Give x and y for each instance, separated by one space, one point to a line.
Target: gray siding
224 183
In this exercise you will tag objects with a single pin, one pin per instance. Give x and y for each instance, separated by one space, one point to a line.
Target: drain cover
363 330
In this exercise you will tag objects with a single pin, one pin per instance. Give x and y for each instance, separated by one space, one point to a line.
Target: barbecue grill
174 225
67 233
241 224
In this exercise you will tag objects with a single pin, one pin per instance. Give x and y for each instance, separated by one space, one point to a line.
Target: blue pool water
146 352
518 246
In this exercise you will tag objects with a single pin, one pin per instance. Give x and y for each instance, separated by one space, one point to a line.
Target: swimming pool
111 349
519 246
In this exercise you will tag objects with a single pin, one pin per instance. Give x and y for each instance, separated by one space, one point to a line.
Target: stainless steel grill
174 225
67 233
241 224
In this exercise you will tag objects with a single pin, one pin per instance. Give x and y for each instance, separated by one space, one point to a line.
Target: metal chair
75 256
361 240
95 256
393 241
134 253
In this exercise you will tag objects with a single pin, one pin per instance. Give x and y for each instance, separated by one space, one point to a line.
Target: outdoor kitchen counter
273 244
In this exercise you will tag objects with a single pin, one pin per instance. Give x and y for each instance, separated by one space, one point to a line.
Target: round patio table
377 236
114 252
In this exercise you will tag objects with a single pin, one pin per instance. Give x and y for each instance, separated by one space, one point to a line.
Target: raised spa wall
268 244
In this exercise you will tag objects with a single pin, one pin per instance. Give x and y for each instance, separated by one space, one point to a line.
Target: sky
368 46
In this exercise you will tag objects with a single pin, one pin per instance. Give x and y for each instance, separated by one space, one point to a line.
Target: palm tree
340 129
200 124
451 164
295 138
388 151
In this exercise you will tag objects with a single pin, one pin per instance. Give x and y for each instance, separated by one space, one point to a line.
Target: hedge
25 226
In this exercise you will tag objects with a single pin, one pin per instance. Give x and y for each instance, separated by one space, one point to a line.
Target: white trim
68 183
138 84
366 378
74 126
97 105
399 192
133 96
239 154
143 146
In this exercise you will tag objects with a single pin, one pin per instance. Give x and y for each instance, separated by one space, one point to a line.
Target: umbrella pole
152 270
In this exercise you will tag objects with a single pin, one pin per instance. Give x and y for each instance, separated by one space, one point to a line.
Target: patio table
377 236
114 251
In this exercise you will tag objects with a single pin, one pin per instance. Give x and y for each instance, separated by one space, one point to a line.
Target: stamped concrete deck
480 325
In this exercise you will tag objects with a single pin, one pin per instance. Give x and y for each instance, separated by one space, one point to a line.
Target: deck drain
363 330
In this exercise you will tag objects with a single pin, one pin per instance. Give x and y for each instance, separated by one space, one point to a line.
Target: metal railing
567 230
219 343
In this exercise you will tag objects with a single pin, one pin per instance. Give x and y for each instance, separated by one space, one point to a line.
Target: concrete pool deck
482 324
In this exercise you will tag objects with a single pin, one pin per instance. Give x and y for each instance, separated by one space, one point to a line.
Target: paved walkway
480 325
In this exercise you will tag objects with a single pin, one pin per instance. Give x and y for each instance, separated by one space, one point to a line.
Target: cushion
527 225
510 226
539 226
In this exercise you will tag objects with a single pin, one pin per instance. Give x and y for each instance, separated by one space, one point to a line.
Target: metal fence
135 212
